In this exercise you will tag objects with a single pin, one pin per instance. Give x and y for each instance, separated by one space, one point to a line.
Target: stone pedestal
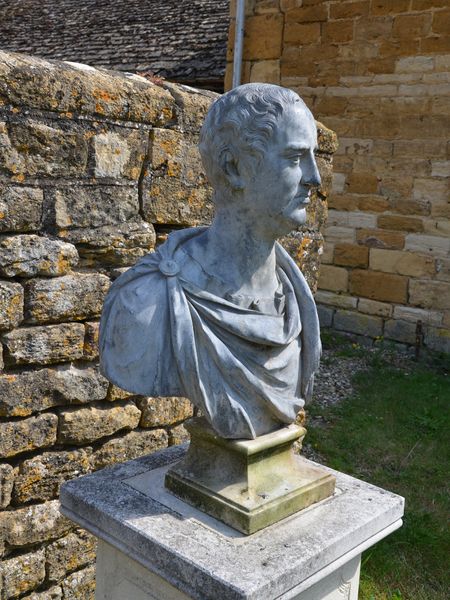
248 484
155 546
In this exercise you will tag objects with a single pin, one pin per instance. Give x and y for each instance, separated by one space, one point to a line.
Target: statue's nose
311 175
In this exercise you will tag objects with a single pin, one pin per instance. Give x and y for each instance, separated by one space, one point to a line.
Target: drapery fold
248 372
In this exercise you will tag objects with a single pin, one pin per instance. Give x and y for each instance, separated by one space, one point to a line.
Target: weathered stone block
128 447
354 322
164 411
373 307
177 155
33 148
117 393
53 593
301 33
266 71
34 524
191 106
257 44
428 244
20 208
325 316
48 344
349 9
440 211
327 140
323 297
80 585
412 207
400 331
90 349
11 304
373 203
411 26
379 238
400 223
305 248
338 31
176 190
333 278
403 263
178 435
362 183
67 87
120 153
27 434
84 425
40 478
68 554
22 574
266 6
443 269
408 313
438 339
339 234
440 168
429 294
327 256
379 286
94 206
286 5
307 14
30 255
7 475
351 255
71 297
325 166
433 189
32 391
119 245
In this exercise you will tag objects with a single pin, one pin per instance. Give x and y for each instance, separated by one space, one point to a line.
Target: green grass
394 432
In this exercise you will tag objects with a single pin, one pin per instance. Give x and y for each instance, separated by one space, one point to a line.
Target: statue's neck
232 250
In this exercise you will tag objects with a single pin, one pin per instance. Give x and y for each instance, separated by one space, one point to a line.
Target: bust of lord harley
221 314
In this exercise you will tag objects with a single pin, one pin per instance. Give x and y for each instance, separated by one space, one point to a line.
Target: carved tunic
248 368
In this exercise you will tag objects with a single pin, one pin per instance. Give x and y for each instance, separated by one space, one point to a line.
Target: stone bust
221 314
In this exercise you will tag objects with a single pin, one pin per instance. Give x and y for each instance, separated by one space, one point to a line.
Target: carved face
277 191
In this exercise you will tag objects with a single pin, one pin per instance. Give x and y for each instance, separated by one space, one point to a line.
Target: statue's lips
299 200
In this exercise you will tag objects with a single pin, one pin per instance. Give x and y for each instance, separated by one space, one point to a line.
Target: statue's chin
295 219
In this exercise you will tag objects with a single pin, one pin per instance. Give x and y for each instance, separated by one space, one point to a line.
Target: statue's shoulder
135 328
157 265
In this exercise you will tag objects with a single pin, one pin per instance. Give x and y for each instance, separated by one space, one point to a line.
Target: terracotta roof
181 40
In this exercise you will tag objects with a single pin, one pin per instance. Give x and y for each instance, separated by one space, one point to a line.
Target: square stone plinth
248 484
197 556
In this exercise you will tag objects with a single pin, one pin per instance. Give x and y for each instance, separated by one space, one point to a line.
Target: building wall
377 73
96 168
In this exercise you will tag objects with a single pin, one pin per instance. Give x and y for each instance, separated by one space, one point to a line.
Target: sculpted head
242 121
257 146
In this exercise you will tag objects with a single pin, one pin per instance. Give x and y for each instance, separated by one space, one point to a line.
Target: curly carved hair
243 119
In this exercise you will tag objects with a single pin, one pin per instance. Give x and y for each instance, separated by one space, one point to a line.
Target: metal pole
238 42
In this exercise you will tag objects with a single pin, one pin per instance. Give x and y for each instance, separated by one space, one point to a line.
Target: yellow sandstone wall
377 73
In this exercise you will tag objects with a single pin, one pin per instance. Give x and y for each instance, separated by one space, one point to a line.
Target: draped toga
249 370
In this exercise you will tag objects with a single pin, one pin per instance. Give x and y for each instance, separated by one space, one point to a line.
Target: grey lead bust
221 314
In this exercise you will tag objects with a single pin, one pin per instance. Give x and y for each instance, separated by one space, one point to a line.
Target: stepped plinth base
247 484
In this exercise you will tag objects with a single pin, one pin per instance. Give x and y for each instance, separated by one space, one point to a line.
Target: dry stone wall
96 168
378 73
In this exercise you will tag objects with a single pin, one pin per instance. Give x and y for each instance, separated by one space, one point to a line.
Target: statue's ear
230 169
